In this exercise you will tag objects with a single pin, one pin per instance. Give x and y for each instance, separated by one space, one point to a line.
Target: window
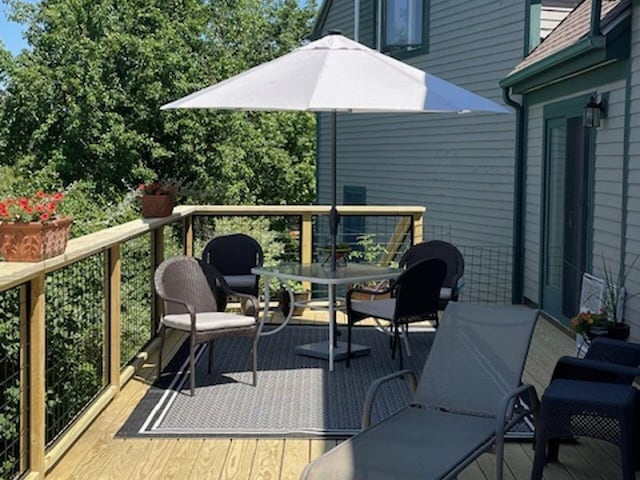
404 26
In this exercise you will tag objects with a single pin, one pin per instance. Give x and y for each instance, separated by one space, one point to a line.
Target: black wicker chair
234 256
414 298
592 397
450 255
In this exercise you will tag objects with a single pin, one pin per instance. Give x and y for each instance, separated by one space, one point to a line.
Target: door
565 210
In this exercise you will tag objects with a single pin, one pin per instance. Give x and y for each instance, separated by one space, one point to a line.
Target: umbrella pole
334 217
334 220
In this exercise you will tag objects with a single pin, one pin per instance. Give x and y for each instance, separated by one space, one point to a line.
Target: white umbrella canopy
336 74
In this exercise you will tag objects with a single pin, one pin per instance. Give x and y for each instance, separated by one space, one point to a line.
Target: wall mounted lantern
593 112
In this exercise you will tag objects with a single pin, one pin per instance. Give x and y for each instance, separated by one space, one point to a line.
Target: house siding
533 203
459 166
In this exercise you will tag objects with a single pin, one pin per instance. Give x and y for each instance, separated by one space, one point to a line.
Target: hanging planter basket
154 206
35 241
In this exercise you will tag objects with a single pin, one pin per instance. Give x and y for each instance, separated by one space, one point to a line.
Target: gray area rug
295 395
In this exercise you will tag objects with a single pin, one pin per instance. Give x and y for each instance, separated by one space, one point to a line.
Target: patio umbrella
335 74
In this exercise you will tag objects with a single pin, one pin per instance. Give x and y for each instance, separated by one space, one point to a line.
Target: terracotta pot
154 206
35 241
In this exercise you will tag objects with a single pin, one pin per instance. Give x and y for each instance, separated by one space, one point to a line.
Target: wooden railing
37 449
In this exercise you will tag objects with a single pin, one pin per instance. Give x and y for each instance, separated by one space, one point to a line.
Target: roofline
581 47
318 25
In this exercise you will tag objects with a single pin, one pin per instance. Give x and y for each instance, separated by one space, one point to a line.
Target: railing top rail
14 273
307 209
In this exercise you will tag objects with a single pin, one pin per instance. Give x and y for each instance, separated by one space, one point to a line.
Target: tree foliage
83 101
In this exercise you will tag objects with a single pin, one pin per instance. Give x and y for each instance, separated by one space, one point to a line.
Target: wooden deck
98 455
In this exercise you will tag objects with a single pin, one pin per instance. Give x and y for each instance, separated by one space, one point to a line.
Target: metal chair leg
192 366
162 332
210 357
255 360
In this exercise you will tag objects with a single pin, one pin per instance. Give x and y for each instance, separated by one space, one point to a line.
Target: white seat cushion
207 321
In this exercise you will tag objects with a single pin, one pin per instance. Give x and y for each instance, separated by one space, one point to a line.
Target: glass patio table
321 274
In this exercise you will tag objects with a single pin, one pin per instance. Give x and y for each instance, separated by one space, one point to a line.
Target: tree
84 100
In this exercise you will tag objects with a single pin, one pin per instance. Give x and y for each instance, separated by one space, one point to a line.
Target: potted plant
32 229
342 254
609 294
300 295
157 198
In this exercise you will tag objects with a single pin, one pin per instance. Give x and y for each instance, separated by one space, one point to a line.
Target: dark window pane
403 20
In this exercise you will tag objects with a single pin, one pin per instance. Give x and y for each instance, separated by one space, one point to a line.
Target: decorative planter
154 206
34 242
618 331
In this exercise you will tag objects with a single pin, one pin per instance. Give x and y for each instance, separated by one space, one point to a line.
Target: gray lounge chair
461 407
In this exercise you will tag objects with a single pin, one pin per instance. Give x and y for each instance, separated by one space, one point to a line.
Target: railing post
157 255
187 232
306 243
114 312
24 376
417 228
37 375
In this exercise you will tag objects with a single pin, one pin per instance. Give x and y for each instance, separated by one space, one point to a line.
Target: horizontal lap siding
632 313
533 191
459 166
609 179
340 18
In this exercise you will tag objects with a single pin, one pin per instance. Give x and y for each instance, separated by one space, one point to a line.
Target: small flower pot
34 241
154 206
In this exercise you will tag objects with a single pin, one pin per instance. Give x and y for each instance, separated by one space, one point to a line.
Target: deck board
98 455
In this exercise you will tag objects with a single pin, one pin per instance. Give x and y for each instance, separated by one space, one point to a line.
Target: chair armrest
190 308
594 371
373 389
506 419
250 298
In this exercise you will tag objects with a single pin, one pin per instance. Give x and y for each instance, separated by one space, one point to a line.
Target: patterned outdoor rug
296 396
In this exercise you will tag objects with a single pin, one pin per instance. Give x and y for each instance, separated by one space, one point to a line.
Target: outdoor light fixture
593 111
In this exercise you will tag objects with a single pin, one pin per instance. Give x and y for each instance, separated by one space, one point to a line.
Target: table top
322 274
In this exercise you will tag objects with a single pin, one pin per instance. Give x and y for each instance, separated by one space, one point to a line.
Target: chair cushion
376 308
207 321
445 293
240 281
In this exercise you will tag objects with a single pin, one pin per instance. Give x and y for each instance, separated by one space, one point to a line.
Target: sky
11 33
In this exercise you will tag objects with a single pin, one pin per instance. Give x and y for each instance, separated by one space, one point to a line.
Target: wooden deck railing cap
13 274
